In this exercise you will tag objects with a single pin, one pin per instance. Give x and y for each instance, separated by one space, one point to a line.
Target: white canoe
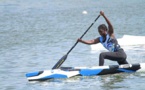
67 72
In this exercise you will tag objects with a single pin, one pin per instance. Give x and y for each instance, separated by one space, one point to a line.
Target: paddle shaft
83 35
59 63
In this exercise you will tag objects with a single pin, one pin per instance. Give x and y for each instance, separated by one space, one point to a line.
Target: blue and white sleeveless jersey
110 44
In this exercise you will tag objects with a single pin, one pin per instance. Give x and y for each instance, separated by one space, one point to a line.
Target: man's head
102 29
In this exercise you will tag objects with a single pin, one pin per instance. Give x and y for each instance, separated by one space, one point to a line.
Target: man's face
102 32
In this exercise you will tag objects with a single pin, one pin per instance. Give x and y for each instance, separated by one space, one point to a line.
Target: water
35 34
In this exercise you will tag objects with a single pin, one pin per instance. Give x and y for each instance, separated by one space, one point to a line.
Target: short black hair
102 26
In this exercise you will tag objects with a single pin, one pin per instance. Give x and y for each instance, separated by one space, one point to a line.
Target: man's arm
89 42
110 27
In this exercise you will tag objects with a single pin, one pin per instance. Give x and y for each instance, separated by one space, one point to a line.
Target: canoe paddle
59 63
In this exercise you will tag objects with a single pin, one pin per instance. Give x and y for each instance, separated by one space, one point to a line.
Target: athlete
108 40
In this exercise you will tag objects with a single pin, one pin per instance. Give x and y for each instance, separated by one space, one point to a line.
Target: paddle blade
59 63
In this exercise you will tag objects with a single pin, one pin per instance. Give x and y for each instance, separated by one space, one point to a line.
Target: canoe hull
67 72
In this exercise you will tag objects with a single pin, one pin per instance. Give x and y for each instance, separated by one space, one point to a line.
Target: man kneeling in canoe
108 40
